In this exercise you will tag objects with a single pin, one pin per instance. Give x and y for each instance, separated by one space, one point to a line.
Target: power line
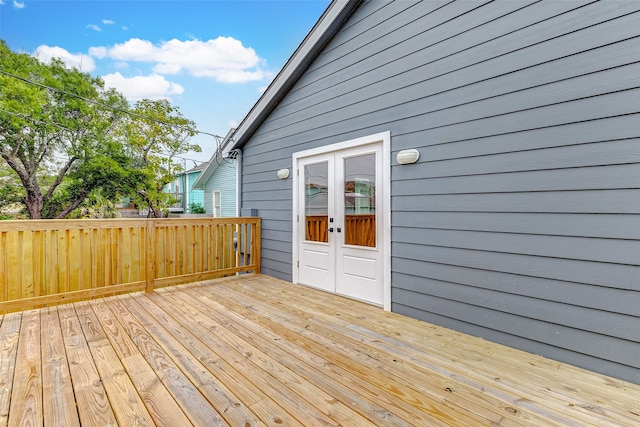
31 119
91 101
36 121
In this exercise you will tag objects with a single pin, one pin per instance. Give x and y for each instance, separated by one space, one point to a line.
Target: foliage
60 147
72 148
196 208
153 147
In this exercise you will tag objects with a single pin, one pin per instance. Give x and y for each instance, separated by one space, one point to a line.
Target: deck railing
51 261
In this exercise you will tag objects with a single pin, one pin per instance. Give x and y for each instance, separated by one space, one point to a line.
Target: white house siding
520 221
223 180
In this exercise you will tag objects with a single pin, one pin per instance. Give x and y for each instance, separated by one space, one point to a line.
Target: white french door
339 219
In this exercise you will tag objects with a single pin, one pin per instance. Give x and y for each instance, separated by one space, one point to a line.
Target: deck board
257 351
60 404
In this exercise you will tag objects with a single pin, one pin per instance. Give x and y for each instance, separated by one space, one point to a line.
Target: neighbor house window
216 204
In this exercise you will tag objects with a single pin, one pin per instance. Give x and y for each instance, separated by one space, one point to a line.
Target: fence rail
51 261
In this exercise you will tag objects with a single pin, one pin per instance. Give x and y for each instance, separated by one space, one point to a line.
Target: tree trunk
34 203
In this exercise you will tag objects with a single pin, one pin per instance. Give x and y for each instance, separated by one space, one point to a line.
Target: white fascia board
322 31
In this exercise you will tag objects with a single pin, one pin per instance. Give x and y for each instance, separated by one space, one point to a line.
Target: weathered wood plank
523 377
59 402
310 366
174 339
195 406
26 396
205 317
261 371
253 350
93 405
159 402
125 401
428 394
9 335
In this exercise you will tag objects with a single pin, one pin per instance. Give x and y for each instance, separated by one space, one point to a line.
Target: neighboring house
218 181
520 220
183 190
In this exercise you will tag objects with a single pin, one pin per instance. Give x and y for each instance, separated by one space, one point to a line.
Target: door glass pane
316 202
360 200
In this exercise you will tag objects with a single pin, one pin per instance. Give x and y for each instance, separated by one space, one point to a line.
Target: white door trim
385 139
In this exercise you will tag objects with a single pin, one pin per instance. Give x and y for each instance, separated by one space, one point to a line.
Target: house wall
520 221
224 180
195 196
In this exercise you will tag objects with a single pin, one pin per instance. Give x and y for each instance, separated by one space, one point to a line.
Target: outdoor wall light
283 173
406 157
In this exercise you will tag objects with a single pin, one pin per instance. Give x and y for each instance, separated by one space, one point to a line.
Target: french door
339 221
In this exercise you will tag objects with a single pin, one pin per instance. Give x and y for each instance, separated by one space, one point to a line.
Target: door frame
385 139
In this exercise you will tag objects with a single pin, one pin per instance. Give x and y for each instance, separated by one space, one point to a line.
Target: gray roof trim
328 24
221 152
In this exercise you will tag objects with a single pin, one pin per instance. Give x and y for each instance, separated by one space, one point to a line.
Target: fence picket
52 261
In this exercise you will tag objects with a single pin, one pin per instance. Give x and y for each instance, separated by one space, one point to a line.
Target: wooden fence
51 261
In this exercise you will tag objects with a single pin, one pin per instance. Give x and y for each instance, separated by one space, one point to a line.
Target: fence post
151 254
255 251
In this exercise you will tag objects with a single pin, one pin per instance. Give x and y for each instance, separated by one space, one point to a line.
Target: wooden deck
252 350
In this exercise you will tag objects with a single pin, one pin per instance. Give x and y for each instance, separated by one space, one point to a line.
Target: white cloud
142 87
18 5
94 27
224 59
80 61
98 52
133 50
108 22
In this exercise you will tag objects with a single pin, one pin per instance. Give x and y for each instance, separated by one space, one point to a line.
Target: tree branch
73 205
60 177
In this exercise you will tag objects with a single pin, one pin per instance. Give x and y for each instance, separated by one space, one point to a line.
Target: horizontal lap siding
223 180
520 222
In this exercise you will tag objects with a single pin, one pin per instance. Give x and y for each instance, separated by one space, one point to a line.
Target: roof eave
221 151
328 24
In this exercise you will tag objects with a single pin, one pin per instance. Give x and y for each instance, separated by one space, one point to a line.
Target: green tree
56 134
155 134
11 192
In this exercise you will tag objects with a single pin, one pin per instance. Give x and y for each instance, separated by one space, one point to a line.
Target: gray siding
520 221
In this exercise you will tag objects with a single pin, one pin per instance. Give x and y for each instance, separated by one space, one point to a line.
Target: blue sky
211 58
